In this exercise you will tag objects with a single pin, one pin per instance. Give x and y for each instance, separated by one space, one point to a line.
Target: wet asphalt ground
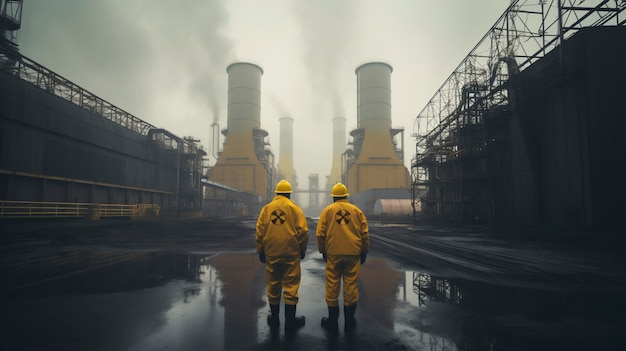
200 286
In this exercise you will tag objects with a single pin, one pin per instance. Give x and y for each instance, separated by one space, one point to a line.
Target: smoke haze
165 61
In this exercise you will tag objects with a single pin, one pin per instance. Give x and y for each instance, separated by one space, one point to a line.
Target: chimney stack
376 164
339 146
285 152
244 163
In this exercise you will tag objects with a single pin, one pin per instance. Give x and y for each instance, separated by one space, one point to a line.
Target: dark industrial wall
45 136
567 150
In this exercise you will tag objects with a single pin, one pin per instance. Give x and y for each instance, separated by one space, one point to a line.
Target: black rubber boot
350 321
273 319
330 323
291 321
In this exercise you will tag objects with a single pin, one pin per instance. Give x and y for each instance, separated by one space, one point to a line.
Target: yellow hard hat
283 187
339 190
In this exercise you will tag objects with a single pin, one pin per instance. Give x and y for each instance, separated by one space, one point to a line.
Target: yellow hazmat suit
282 237
342 237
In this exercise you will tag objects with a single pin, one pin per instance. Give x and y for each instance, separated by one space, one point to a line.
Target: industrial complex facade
514 136
529 128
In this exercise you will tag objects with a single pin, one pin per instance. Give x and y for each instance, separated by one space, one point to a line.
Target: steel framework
524 33
191 163
36 74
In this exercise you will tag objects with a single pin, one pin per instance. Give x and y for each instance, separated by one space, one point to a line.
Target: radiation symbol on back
278 217
342 217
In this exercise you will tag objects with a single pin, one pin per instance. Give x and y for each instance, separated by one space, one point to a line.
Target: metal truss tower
10 24
524 33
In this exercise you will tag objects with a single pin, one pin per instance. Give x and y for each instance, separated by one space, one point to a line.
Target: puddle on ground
149 301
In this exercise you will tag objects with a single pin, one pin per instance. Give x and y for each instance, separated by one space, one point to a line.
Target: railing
132 211
30 209
53 83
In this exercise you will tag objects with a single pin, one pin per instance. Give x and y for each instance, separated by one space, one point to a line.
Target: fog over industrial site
165 62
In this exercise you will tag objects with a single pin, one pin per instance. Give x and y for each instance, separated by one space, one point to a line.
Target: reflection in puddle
385 294
477 315
146 301
429 288
242 282
136 301
86 272
378 285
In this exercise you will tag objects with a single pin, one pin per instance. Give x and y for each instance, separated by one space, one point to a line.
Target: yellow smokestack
238 165
339 146
377 165
285 152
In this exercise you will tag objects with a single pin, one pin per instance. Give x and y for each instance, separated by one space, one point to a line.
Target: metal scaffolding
452 138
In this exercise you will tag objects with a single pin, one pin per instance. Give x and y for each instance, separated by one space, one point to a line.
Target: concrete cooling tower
339 146
375 162
244 163
286 167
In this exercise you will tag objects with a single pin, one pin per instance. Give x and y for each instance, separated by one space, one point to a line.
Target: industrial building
65 152
371 165
63 145
529 129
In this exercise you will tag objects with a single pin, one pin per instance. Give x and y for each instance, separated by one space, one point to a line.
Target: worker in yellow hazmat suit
282 235
343 240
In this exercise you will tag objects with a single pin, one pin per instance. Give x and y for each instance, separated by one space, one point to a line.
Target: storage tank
394 210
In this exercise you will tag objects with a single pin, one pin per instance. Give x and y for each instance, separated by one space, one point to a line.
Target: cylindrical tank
374 95
244 96
393 207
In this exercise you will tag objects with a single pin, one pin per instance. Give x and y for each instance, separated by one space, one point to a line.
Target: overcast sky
165 61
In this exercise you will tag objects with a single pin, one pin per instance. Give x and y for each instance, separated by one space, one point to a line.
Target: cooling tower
244 163
285 152
376 164
339 146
